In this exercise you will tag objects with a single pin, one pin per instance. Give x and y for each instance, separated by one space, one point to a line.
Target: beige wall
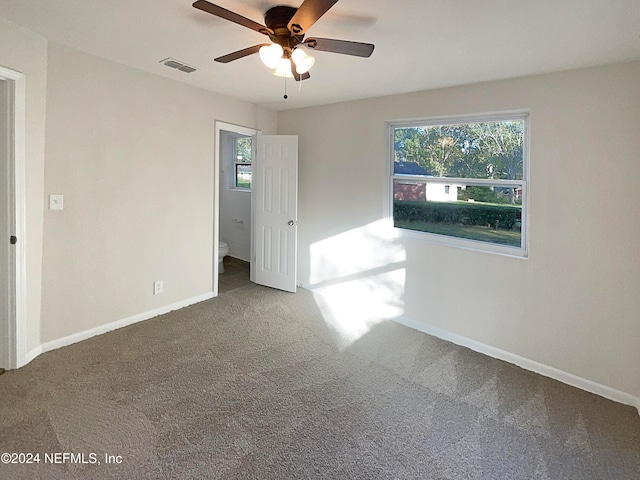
133 155
26 52
574 304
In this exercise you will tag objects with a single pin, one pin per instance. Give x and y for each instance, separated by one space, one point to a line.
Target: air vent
173 63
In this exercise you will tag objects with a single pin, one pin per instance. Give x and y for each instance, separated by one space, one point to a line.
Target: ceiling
420 44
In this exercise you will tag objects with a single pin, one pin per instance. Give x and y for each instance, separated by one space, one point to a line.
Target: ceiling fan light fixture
271 55
286 27
284 68
302 61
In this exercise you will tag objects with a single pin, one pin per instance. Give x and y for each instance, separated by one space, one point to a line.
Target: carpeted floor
250 385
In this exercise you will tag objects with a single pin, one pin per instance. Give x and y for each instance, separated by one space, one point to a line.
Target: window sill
463 243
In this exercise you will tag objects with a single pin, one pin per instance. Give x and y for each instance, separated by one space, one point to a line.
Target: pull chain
285 88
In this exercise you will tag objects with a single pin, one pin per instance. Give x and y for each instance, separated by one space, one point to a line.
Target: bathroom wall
235 205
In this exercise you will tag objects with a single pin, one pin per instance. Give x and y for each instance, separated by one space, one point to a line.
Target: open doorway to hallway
6 205
13 342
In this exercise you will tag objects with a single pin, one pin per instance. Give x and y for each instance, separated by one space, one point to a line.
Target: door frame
17 197
227 127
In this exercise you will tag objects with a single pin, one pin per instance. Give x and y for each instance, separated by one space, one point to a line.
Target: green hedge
504 217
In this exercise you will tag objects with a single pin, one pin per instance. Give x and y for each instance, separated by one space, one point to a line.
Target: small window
462 181
242 154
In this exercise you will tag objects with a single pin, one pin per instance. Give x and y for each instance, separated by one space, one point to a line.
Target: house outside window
242 163
462 181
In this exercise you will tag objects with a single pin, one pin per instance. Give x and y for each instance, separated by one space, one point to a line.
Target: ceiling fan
286 28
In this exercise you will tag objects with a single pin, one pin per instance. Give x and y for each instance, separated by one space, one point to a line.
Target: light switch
56 202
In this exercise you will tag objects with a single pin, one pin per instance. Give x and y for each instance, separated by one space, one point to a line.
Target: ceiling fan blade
308 13
231 16
297 76
230 57
340 46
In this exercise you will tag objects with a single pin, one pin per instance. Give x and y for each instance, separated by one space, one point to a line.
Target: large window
463 181
242 165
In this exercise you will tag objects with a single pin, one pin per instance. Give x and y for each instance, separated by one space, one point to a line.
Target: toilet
223 251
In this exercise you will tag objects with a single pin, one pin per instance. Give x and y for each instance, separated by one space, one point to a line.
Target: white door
275 190
5 228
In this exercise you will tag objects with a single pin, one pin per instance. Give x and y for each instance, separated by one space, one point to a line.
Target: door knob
291 223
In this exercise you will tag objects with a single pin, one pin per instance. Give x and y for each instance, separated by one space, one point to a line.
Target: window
462 181
242 155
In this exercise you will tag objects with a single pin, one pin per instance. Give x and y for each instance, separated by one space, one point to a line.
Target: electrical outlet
157 287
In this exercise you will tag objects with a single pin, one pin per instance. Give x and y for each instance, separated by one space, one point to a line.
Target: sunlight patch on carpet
358 278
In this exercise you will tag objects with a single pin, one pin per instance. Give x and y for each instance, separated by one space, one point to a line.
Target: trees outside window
468 180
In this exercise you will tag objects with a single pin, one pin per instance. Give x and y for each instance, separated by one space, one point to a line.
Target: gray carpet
251 385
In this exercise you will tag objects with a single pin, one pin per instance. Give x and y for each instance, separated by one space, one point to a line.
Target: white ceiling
420 44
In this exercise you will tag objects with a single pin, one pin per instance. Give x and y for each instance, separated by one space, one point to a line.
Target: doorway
5 221
266 214
233 205
12 220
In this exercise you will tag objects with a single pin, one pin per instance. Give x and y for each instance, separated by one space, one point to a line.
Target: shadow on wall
359 279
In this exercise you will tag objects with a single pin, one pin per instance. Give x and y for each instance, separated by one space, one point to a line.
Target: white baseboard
31 355
80 336
547 371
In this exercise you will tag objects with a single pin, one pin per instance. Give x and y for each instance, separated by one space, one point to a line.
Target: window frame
464 243
236 163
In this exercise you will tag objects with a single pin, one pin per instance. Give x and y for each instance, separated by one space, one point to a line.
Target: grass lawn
483 234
